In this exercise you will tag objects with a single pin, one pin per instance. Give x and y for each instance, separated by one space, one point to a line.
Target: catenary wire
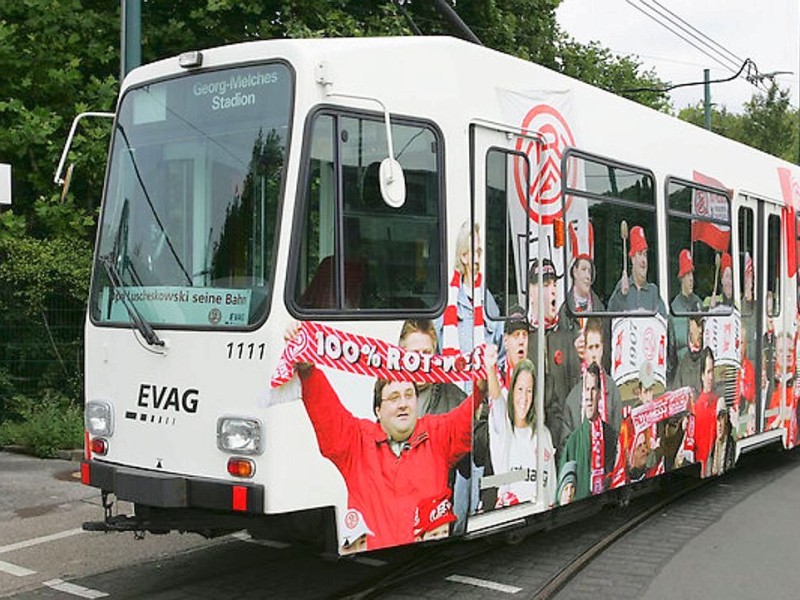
751 67
736 59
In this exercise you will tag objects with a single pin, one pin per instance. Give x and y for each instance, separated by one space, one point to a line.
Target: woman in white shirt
513 438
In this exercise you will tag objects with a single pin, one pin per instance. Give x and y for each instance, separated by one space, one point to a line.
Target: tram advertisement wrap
399 464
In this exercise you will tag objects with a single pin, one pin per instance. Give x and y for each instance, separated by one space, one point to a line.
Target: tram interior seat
321 290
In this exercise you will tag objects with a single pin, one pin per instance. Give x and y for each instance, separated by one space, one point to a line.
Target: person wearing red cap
390 465
726 279
635 293
685 301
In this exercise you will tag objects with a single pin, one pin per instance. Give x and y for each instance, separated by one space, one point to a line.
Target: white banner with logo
723 334
537 196
634 341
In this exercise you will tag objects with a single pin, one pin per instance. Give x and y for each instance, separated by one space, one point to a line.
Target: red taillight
99 446
241 467
239 498
86 478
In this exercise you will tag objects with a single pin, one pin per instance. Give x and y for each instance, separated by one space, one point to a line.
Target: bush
43 426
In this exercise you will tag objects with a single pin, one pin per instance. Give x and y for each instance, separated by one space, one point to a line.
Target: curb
75 455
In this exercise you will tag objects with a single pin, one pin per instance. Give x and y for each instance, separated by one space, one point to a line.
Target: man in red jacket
391 465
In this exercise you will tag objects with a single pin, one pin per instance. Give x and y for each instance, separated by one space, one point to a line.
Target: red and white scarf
450 343
598 458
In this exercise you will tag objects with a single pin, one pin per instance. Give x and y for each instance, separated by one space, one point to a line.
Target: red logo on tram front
544 158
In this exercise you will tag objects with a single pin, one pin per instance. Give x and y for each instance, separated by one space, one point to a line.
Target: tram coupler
120 523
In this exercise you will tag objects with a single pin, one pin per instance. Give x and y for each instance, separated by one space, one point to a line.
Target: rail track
622 514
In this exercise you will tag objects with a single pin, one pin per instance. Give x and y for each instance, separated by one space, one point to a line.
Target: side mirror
392 182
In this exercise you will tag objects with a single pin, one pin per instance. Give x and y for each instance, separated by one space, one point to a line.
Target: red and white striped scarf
598 458
549 322
450 343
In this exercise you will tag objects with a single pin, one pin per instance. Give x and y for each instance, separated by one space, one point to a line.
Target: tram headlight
239 435
98 418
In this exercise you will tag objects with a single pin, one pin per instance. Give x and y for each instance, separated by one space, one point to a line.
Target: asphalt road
42 507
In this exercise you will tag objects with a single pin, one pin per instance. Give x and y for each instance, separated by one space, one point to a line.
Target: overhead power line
711 42
701 42
690 38
747 63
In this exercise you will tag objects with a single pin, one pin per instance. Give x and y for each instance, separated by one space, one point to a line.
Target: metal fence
40 352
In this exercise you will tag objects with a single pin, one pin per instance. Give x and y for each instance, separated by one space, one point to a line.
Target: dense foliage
767 123
61 57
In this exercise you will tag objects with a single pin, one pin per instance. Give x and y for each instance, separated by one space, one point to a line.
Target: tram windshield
190 217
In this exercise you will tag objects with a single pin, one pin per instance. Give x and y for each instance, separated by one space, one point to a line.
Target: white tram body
235 172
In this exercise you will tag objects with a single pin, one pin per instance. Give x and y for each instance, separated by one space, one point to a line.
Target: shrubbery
50 423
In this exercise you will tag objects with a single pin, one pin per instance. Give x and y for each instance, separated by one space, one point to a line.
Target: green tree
623 75
767 123
723 121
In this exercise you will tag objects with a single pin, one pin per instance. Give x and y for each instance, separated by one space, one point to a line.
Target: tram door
502 172
777 341
759 237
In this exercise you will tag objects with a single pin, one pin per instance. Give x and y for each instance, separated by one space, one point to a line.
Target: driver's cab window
357 253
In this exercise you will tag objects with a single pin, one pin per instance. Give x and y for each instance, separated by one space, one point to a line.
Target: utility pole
131 39
707 98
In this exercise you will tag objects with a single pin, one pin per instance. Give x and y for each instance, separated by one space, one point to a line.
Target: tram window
613 221
356 253
611 180
774 266
506 254
700 262
747 271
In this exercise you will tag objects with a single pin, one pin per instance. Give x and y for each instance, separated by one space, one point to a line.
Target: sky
766 31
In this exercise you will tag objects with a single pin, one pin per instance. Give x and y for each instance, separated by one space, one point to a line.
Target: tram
402 289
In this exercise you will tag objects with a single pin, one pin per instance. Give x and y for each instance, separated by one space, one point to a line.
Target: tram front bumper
168 490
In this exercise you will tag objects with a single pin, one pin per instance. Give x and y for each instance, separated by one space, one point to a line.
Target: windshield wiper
142 325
